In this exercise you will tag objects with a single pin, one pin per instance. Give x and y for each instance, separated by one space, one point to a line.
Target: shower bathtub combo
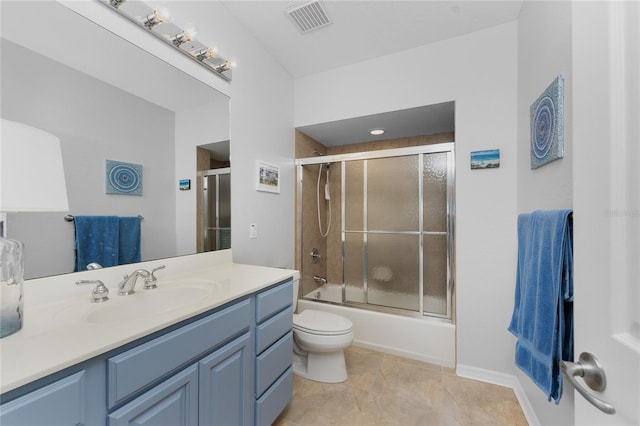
375 235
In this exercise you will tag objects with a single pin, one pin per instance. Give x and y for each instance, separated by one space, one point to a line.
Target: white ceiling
363 29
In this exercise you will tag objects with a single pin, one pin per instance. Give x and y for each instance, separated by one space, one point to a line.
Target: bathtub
424 339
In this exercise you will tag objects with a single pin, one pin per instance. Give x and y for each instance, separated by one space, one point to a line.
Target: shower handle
315 255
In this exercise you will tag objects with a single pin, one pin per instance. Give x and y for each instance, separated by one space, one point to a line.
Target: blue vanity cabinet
230 366
225 391
59 403
211 390
173 402
274 352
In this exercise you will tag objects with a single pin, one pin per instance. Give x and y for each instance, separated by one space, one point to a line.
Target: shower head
316 152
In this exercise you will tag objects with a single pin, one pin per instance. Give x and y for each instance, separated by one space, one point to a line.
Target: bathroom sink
168 297
147 303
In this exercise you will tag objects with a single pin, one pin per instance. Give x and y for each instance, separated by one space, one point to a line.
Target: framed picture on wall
268 178
547 127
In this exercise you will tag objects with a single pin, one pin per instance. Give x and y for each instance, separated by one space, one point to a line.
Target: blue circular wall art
546 125
123 178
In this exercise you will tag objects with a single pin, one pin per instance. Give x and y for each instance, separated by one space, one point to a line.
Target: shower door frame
205 205
447 147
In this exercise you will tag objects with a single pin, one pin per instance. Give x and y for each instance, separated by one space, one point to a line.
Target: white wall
94 121
544 51
479 72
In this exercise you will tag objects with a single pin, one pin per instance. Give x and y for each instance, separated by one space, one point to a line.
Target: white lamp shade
31 171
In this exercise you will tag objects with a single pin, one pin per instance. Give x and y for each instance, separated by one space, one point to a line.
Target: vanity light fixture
376 132
157 17
203 54
156 22
188 34
227 65
116 3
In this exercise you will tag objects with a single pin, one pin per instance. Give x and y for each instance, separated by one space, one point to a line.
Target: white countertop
57 333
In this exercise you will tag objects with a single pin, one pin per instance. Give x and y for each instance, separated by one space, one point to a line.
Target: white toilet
319 340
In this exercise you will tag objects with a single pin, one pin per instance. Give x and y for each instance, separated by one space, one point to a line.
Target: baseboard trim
502 379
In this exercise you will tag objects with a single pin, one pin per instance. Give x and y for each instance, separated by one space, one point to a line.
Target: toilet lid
319 322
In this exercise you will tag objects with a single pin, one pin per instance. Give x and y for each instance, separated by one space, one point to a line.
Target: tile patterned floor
384 389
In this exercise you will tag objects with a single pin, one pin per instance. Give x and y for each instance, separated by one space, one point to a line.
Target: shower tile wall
331 247
308 147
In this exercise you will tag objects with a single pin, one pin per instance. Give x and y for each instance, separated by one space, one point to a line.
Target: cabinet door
60 403
173 402
226 384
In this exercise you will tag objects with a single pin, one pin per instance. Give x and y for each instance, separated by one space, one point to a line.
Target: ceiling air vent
309 16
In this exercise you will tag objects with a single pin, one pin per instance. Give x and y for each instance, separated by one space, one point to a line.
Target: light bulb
190 32
376 132
203 54
163 14
116 3
158 16
225 66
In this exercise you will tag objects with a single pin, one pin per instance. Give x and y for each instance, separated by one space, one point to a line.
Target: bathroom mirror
106 99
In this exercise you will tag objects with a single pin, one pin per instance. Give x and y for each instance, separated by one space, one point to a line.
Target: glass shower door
217 209
382 232
397 232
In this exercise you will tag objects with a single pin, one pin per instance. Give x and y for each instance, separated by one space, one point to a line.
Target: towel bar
70 217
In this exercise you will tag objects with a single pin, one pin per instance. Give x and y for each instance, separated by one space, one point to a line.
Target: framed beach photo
268 178
487 159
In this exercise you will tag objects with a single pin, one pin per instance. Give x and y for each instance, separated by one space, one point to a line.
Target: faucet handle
150 281
100 293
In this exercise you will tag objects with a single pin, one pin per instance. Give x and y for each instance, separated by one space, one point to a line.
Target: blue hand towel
129 248
96 241
542 318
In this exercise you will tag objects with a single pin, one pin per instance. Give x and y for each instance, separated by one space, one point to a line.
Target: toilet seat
321 323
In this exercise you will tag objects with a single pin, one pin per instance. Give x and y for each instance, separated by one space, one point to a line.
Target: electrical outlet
253 231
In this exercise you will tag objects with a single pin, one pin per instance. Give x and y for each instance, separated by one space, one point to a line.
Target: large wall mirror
105 99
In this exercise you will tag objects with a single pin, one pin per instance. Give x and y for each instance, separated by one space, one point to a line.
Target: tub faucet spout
319 279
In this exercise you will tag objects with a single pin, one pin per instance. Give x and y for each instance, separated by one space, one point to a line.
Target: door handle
592 372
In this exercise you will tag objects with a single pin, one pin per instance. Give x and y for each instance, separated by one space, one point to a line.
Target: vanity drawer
273 329
271 404
62 402
133 370
272 362
273 300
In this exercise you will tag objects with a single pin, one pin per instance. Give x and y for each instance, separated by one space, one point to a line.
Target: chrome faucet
150 281
128 283
319 279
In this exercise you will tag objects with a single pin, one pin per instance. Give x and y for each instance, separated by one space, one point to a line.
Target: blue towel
129 247
542 318
97 240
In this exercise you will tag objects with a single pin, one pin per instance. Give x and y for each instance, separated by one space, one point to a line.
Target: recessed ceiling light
376 132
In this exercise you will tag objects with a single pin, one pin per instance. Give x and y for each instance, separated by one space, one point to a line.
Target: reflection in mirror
105 99
214 197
